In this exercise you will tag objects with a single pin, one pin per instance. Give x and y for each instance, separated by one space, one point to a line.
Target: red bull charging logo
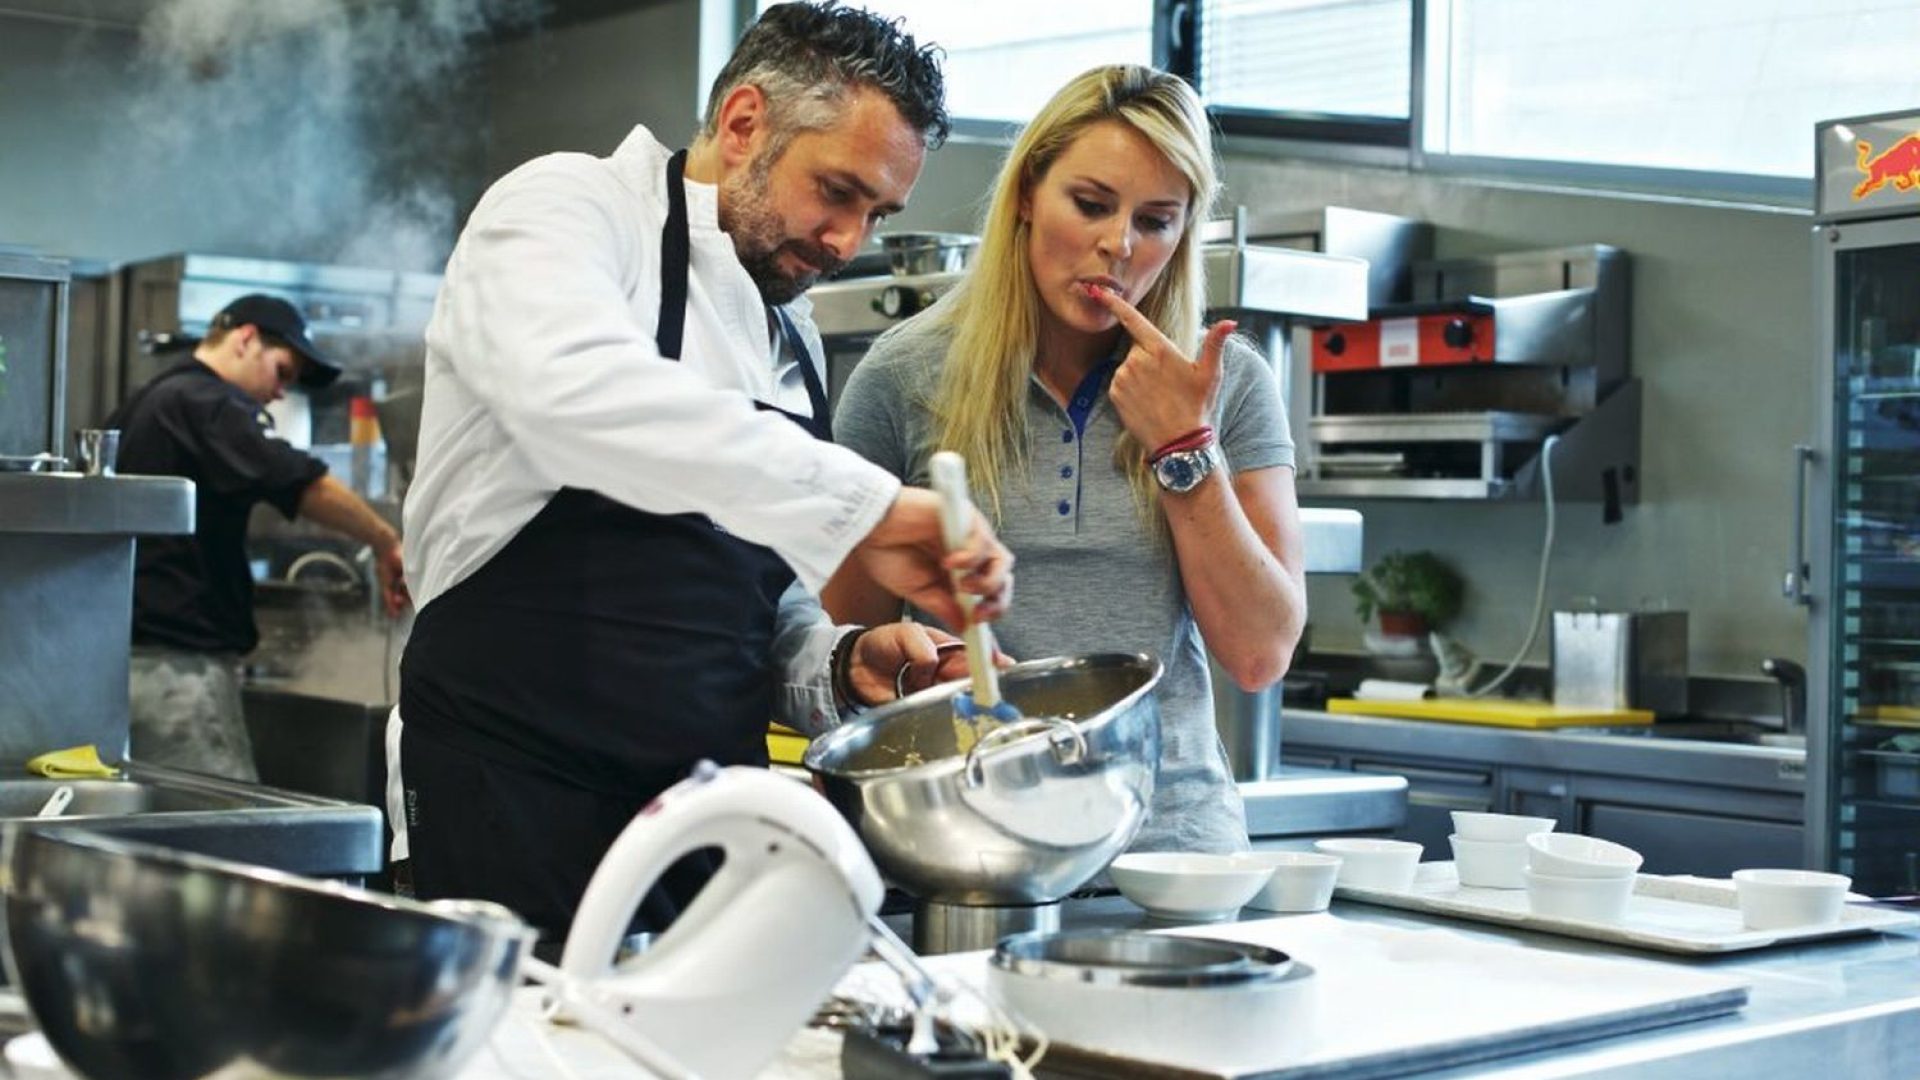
1898 165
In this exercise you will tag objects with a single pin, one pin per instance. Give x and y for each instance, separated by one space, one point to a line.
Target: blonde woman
1139 464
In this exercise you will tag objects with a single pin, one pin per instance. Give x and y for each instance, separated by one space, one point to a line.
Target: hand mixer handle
733 809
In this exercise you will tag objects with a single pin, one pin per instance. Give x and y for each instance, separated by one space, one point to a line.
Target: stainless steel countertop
1618 751
69 503
1838 1009
1304 802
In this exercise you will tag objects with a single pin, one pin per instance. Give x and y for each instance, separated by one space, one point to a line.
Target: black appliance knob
1458 333
899 301
1336 343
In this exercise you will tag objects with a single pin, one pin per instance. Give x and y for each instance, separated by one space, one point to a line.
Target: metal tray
1688 916
32 463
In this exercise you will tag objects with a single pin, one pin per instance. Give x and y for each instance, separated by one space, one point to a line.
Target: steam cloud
337 130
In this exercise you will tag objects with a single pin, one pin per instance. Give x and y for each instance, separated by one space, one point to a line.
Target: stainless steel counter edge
1763 768
1300 801
71 504
290 831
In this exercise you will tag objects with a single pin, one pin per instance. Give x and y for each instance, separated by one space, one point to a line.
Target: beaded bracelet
1192 440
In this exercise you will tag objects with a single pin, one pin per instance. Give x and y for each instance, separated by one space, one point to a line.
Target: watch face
1182 470
1179 472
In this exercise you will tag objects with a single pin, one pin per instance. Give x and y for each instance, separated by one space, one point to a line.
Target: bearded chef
625 500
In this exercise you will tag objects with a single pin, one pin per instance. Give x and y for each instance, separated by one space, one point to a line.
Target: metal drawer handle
1795 585
1448 802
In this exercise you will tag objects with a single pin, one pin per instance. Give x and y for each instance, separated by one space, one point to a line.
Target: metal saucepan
1026 814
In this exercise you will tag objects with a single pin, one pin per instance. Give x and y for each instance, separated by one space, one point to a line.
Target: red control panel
1415 340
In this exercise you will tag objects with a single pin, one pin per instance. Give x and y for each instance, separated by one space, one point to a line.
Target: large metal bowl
145 963
1033 812
912 253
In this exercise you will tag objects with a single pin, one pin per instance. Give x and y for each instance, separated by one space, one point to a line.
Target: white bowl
1570 855
1373 864
1490 864
1587 899
1188 885
1773 899
1302 880
1513 828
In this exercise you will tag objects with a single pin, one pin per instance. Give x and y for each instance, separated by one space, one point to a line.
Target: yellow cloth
71 763
785 746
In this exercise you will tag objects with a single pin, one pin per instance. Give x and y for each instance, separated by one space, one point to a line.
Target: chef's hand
392 575
895 659
906 555
1158 392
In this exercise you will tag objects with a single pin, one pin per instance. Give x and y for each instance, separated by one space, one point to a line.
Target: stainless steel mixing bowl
144 963
1033 812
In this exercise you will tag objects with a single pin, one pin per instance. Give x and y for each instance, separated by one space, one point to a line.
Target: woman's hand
1159 393
898 658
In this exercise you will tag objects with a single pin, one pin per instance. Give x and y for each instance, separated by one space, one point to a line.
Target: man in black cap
204 419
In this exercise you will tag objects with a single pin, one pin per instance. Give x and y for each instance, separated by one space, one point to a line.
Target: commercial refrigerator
1861 574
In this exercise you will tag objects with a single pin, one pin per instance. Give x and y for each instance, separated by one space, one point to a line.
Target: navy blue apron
584 668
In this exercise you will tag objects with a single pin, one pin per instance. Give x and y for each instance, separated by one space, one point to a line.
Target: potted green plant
1413 591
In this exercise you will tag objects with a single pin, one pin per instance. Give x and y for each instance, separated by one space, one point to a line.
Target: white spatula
949 472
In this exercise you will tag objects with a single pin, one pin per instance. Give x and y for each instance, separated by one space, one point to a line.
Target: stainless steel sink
284 830
247 823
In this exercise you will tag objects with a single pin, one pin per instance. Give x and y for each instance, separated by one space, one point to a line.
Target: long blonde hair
979 407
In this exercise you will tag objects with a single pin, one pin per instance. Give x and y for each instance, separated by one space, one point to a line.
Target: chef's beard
759 235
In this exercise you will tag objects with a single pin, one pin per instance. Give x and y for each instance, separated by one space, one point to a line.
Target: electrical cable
1540 587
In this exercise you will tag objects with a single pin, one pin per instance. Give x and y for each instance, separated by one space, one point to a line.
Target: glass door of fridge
1871 744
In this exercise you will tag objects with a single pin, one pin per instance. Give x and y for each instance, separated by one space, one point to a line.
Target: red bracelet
1192 440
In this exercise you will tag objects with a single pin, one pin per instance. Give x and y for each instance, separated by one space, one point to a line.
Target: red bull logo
1898 165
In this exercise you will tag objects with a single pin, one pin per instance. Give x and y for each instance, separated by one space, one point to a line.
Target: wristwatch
1182 470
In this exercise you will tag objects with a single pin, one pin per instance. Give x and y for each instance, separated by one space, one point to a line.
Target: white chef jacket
542 372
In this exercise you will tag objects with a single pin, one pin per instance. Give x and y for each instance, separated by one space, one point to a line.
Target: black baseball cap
282 320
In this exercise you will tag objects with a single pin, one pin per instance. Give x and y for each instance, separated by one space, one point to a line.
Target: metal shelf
1403 487
1434 427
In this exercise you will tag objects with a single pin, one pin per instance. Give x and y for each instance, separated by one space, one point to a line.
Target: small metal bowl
1201 1005
929 252
145 963
1135 958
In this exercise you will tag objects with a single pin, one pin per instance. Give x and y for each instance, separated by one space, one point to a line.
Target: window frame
1363 140
1179 40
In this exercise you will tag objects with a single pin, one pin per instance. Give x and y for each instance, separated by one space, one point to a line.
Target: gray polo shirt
1092 576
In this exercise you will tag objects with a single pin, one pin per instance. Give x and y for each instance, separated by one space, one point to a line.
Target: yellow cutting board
1498 713
1906 715
784 745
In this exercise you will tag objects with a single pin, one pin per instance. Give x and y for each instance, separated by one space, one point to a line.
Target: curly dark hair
805 57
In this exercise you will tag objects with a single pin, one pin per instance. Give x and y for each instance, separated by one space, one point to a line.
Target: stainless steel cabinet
1862 581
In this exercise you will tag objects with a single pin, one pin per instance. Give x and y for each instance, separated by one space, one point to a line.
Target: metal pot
1032 811
929 252
144 963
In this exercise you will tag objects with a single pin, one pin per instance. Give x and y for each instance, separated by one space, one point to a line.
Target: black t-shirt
196 592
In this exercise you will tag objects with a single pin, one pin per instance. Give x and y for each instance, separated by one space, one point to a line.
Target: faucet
1793 692
359 569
